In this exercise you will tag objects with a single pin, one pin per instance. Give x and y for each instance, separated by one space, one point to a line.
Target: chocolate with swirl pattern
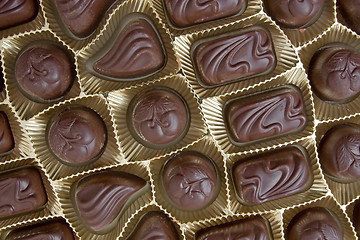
7 142
17 12
272 175
235 57
264 115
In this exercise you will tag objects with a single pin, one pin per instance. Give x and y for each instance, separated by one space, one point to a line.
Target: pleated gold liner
213 111
316 190
253 7
302 36
330 204
95 83
22 147
50 208
36 23
285 55
350 212
36 128
119 102
337 34
215 208
63 189
25 107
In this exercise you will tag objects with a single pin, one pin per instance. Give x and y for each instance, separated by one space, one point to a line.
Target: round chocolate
158 117
349 10
190 180
356 217
44 72
17 12
334 73
314 223
294 14
77 135
339 152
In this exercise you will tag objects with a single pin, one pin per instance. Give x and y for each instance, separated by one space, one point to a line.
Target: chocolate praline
17 12
7 142
349 10
190 180
77 135
356 217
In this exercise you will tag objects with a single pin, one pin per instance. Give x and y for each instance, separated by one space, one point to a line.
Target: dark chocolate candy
190 180
21 191
44 71
185 13
234 57
77 135
264 115
100 197
158 117
254 228
314 223
295 14
349 10
7 142
272 175
154 225
17 12
334 73
356 217
339 152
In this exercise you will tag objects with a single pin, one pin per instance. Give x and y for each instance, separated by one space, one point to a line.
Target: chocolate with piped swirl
294 14
7 142
17 12
349 10
154 225
101 197
264 115
272 175
76 135
21 191
314 223
185 13
233 57
255 227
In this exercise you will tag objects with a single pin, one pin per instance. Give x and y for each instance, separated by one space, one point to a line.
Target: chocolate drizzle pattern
15 12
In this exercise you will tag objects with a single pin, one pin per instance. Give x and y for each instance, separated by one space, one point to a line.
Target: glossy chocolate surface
154 225
349 10
7 142
17 12
44 71
272 175
234 57
185 13
314 223
295 13
158 117
190 180
77 135
21 191
264 115
101 197
254 228
356 217
339 152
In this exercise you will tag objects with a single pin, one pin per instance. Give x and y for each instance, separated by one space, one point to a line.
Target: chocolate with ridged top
272 175
7 142
349 10
185 13
17 12
233 57
314 223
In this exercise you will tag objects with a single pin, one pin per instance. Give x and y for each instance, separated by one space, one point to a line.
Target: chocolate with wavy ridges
101 197
272 175
16 12
184 13
264 115
7 142
234 58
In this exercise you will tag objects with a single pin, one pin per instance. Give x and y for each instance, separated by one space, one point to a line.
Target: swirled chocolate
44 71
21 191
158 117
295 13
101 197
314 223
264 115
356 217
154 225
7 142
185 13
272 175
349 10
17 12
190 180
248 228
77 135
339 152
234 57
